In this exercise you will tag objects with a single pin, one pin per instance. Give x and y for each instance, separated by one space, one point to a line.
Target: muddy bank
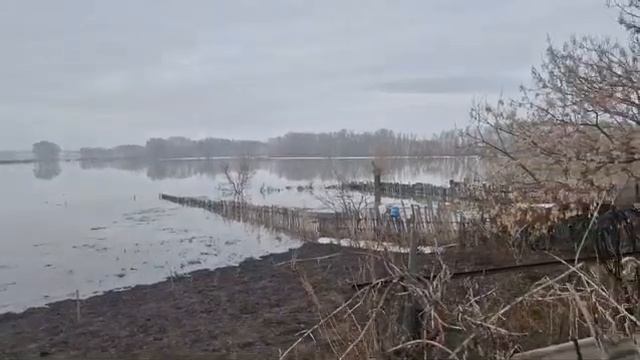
256 308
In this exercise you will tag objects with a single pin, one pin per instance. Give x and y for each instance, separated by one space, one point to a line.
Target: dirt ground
255 309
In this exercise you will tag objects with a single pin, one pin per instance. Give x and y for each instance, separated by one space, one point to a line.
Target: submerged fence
455 190
295 222
365 224
414 219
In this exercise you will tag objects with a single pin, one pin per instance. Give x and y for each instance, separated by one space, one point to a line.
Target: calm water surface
98 226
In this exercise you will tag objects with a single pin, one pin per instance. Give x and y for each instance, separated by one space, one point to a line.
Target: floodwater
99 226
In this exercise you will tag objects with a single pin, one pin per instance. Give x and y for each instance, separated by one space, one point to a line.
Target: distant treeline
342 143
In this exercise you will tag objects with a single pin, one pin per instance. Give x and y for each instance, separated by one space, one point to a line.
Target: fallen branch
295 261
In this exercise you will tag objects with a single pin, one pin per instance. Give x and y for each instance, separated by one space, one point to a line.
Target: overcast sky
102 73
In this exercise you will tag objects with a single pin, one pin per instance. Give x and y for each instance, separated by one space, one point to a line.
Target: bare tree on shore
577 126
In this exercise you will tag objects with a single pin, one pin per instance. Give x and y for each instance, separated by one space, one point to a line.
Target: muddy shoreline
256 308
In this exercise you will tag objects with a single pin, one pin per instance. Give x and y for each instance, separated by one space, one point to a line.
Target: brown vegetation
563 150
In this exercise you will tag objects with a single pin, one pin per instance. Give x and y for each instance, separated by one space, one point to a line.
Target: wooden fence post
377 188
411 313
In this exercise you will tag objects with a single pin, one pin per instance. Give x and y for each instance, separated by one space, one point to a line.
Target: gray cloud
450 85
98 72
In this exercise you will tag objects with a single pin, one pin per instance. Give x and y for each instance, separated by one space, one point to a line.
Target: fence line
367 224
455 190
295 222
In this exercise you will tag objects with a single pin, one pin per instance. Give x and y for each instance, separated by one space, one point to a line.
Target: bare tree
576 127
239 177
341 200
345 202
572 141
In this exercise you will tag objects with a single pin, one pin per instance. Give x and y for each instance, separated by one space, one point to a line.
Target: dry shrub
488 317
570 141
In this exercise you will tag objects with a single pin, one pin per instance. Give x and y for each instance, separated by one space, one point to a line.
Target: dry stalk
595 332
591 223
422 342
294 261
328 333
521 298
369 323
328 317
599 289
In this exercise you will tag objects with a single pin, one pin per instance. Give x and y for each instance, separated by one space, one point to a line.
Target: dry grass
470 319
432 314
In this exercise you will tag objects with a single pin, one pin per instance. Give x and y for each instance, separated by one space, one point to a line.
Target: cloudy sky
101 73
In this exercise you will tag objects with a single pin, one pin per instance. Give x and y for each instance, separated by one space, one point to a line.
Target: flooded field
98 226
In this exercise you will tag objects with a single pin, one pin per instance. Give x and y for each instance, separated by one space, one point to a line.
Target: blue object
395 212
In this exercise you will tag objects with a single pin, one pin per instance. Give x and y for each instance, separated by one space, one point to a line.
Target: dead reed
430 314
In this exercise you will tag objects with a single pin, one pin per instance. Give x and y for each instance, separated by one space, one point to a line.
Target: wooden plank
585 349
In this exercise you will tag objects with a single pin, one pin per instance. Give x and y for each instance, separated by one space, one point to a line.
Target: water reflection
439 169
46 170
105 229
